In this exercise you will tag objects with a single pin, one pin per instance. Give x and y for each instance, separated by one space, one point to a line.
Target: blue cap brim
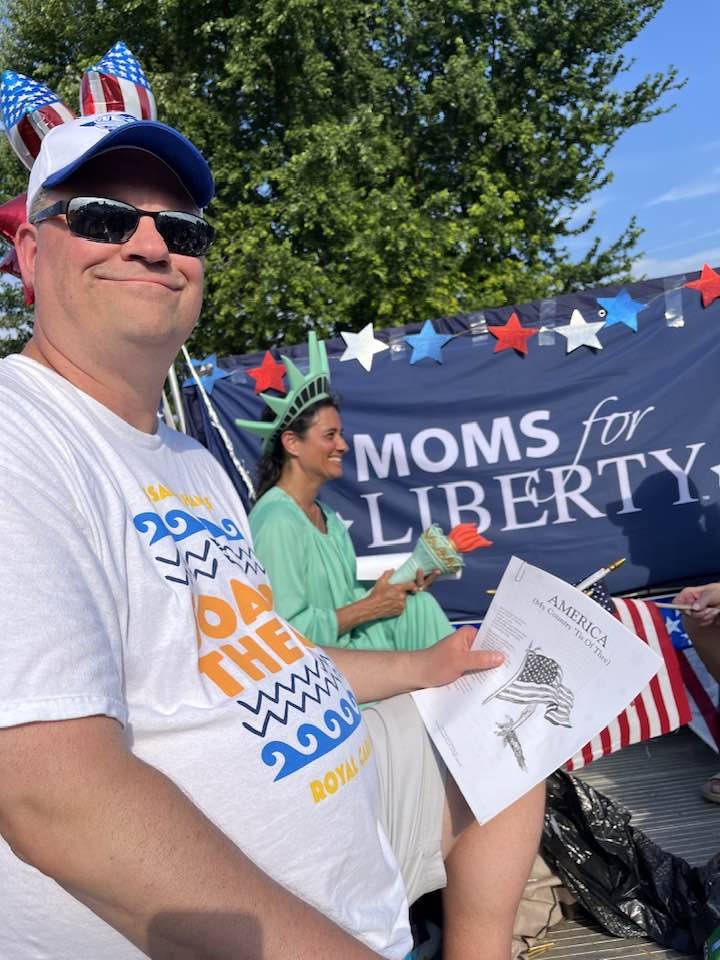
166 143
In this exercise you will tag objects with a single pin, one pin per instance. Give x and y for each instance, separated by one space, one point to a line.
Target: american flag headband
30 109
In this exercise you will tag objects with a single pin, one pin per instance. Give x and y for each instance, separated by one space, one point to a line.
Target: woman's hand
388 599
705 603
423 582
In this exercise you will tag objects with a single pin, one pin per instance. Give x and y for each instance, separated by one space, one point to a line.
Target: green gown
313 574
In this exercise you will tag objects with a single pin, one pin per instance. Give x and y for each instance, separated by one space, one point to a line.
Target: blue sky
667 172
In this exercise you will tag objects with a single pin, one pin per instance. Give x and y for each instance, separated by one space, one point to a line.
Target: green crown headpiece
303 391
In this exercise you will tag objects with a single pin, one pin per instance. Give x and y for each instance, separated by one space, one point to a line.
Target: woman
309 556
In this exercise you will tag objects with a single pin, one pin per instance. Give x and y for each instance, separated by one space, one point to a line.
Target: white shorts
412 789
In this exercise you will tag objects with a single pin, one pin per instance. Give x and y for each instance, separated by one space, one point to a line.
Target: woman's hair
273 460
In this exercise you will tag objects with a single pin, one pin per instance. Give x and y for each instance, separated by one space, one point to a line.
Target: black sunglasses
112 221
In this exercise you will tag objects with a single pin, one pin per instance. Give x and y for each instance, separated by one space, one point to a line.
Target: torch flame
465 538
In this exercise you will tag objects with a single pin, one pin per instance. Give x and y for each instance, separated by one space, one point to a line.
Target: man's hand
451 657
378 674
704 601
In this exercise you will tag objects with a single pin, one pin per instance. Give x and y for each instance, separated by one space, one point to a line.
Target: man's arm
377 675
124 840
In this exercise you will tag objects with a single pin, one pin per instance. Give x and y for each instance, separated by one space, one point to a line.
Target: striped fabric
117 84
29 110
661 707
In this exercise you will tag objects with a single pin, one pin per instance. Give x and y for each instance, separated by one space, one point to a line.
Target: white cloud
704 187
689 263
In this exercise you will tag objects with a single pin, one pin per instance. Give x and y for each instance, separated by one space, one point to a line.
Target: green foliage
386 161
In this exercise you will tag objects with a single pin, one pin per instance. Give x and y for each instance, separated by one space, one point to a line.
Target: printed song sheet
570 668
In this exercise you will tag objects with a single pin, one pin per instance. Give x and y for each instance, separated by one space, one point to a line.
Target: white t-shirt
130 589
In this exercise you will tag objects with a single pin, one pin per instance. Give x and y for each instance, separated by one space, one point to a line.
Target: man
181 773
703 627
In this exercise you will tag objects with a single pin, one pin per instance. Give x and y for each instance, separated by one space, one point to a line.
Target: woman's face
319 453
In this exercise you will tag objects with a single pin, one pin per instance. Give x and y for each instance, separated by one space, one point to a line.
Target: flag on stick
660 707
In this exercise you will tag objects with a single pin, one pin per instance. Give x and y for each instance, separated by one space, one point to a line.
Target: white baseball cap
69 145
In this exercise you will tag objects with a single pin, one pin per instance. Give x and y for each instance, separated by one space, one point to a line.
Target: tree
379 161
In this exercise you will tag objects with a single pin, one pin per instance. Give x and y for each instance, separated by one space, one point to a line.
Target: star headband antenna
303 392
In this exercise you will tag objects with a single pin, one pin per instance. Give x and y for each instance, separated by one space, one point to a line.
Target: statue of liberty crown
304 390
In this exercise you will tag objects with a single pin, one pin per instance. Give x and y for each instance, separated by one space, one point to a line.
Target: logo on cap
109 120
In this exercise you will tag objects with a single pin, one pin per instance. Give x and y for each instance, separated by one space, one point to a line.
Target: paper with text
570 668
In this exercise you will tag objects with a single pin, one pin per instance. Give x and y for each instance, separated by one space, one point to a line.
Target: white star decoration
362 346
673 626
579 333
716 470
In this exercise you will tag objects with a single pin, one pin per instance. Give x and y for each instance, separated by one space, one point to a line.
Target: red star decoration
708 285
269 375
512 336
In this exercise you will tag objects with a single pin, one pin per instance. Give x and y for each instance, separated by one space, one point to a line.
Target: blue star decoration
208 371
621 309
427 343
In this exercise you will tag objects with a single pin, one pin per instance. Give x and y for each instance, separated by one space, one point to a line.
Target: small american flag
540 682
660 707
600 594
29 110
117 84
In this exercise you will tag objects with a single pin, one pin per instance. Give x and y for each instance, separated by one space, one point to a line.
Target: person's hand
452 656
704 601
423 582
388 599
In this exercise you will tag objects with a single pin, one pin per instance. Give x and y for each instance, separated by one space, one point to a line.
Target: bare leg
487 869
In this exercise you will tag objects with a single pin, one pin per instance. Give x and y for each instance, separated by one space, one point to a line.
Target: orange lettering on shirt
215 617
209 665
266 590
278 639
249 602
250 653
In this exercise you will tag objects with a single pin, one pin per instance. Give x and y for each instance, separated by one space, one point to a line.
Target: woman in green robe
309 557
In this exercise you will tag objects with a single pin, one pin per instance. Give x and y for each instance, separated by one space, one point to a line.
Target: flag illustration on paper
538 682
662 706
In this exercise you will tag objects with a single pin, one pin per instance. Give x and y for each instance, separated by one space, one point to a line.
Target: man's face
92 298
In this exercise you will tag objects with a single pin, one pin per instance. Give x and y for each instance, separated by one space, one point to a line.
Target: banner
569 456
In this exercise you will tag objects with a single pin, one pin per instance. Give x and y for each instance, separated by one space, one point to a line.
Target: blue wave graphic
179 525
339 727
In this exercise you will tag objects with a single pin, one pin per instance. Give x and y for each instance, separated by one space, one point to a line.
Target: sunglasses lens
111 221
105 221
184 233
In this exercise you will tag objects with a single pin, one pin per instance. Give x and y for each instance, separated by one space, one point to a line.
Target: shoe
711 789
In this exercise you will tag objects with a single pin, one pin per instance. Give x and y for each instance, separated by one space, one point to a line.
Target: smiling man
162 730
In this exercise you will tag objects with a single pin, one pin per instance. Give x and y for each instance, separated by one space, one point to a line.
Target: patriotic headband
30 109
304 391
117 110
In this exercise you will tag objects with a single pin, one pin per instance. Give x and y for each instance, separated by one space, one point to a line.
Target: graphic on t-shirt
312 740
179 525
242 642
317 681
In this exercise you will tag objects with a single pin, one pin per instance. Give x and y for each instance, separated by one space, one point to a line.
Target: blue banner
569 460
